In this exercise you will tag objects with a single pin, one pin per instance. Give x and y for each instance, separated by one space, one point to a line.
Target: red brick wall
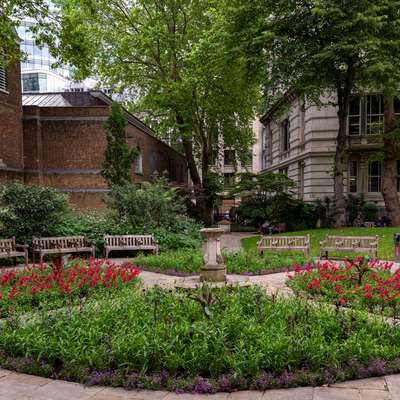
64 148
11 145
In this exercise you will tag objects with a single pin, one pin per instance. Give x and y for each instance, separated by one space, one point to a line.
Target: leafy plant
160 339
30 211
118 157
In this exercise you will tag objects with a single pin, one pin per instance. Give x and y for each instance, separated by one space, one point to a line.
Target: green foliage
172 56
370 211
267 197
238 262
118 157
149 204
295 213
30 211
174 332
357 207
11 15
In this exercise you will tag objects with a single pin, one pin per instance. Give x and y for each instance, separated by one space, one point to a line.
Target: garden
93 321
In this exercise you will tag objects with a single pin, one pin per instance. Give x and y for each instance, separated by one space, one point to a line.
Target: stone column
213 268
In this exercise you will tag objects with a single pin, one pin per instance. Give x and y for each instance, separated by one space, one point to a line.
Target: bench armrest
21 246
322 242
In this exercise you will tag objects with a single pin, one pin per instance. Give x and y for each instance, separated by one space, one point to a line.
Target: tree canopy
171 56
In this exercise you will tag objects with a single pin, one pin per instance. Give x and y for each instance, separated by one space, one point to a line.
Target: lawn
188 262
386 244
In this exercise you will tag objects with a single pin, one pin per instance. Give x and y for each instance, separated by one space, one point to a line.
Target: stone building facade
300 141
59 140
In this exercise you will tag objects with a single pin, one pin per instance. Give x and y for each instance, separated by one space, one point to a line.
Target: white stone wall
313 131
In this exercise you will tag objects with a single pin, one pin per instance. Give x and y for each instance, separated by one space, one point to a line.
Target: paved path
232 241
15 386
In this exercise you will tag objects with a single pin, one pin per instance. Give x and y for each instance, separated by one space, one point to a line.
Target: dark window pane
397 105
229 157
354 105
353 175
354 125
374 104
374 176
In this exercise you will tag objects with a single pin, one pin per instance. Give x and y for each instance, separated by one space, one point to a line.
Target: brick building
11 139
58 140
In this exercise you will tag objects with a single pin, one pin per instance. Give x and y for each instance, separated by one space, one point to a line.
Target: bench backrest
129 240
7 245
67 242
284 241
350 242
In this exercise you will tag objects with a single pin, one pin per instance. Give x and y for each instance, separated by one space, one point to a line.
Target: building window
285 135
354 124
229 179
264 147
3 79
366 115
284 171
229 157
374 114
398 175
172 169
301 180
374 176
139 163
34 82
353 176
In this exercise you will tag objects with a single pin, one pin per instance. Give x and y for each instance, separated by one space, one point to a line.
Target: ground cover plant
385 249
200 340
186 262
360 283
51 287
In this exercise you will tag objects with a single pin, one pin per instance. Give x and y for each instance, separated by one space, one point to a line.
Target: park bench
130 242
9 249
284 243
61 245
354 244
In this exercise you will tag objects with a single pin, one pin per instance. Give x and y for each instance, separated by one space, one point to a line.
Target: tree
172 56
383 75
263 196
11 14
315 47
118 157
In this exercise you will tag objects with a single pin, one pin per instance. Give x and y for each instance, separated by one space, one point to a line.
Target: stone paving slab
305 393
15 386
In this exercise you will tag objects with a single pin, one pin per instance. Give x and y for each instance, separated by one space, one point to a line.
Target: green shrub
30 211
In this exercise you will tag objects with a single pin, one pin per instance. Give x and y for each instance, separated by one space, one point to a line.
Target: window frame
285 136
353 176
370 177
3 80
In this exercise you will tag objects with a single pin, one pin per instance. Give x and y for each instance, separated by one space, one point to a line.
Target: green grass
176 262
386 244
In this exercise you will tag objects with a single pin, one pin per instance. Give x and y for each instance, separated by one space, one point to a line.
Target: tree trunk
390 154
340 157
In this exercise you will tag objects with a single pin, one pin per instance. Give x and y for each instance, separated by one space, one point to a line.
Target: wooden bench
9 249
61 245
130 242
353 244
284 243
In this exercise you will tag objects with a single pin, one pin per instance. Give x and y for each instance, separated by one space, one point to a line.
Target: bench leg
41 258
26 258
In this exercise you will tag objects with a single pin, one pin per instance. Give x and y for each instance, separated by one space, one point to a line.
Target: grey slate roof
45 100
